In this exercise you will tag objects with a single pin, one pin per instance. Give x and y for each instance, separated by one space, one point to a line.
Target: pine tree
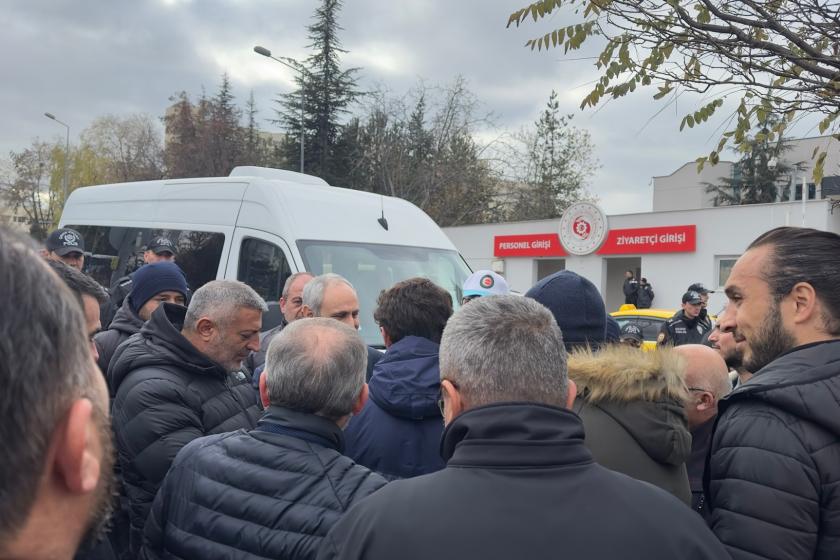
558 162
754 179
327 93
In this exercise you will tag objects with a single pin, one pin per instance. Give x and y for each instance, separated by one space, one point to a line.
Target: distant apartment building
14 219
685 188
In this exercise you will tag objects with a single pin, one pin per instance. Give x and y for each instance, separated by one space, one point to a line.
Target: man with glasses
707 379
519 481
483 283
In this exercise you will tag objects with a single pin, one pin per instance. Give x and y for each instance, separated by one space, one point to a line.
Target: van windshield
372 268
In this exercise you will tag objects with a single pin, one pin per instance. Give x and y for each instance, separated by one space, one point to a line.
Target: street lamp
66 156
294 65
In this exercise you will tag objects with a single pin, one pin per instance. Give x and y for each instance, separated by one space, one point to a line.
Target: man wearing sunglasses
519 482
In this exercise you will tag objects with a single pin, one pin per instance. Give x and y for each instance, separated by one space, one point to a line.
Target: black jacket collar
302 424
515 434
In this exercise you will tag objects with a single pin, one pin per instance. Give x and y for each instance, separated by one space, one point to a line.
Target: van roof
285 203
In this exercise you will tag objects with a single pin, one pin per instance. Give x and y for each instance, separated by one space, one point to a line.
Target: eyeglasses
701 389
634 342
440 394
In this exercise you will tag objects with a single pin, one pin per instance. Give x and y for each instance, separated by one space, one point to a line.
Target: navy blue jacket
397 433
272 492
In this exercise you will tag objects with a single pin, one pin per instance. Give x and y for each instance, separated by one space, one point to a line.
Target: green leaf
826 122
819 168
701 161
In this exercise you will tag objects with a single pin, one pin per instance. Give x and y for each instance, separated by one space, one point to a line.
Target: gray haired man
55 473
333 296
277 489
179 379
291 301
519 482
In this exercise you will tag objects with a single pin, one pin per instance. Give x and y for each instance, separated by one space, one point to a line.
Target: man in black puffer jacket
152 285
275 491
178 380
773 476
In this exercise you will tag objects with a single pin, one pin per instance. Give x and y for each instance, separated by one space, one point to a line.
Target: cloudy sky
81 60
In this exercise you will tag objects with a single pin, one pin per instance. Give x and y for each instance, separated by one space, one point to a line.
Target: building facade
672 249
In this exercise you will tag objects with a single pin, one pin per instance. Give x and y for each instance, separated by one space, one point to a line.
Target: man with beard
722 340
774 468
55 472
179 379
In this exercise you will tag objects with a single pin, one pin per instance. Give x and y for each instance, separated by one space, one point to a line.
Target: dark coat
397 433
701 441
631 405
519 483
273 492
773 479
644 296
166 394
125 324
631 290
679 330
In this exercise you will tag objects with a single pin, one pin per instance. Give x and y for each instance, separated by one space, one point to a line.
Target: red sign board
536 245
668 239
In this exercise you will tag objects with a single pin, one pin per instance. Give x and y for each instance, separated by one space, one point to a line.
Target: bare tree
28 188
130 147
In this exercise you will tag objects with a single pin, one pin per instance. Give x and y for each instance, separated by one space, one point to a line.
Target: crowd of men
514 427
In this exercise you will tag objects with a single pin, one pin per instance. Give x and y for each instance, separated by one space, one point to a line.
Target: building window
263 266
812 191
724 268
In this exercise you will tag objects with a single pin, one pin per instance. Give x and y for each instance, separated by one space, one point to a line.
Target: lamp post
65 178
294 65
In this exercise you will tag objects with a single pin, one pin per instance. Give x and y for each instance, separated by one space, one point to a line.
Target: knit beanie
152 279
613 329
576 305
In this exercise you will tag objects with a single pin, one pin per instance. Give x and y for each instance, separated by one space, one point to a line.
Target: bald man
707 378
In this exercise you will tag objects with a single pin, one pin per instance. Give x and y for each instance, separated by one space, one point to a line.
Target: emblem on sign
583 228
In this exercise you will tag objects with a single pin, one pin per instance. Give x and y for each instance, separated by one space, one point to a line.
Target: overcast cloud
81 60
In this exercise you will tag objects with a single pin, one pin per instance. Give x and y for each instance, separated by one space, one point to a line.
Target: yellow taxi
649 320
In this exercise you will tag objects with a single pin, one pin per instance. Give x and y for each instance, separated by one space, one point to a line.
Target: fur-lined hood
623 374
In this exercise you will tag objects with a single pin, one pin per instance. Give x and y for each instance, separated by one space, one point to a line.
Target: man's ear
77 459
707 401
453 401
263 390
282 303
571 393
386 338
806 306
306 311
205 328
360 402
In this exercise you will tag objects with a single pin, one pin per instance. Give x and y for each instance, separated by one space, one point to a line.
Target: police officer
704 296
686 327
159 249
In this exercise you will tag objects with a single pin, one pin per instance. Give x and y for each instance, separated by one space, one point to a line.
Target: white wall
724 230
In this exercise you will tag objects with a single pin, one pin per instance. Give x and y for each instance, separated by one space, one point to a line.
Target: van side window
116 252
263 266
